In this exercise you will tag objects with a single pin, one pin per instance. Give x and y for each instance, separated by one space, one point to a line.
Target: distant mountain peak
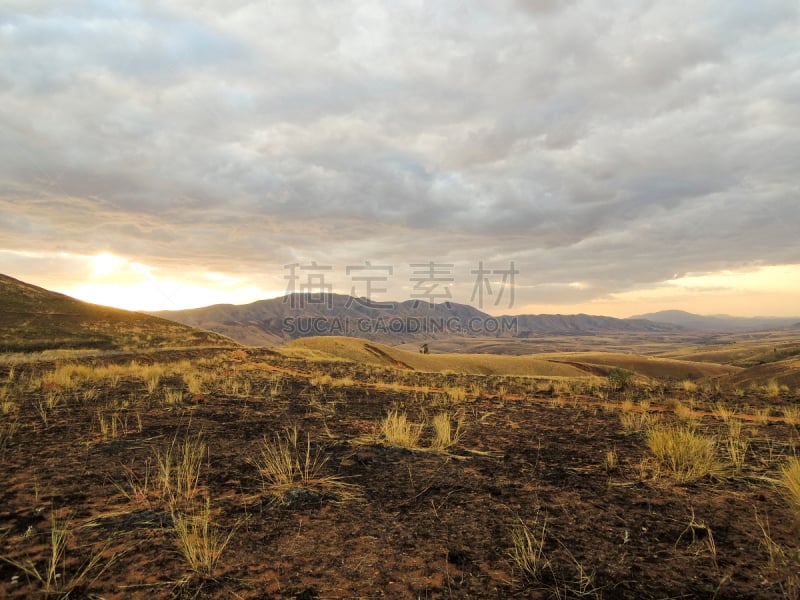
720 323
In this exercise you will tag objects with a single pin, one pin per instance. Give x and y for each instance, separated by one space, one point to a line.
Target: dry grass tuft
790 481
791 414
527 550
687 455
634 422
292 471
683 412
179 469
445 436
772 389
736 445
456 395
397 430
689 386
610 460
721 411
200 541
54 577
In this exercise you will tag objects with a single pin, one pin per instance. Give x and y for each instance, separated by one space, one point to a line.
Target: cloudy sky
625 156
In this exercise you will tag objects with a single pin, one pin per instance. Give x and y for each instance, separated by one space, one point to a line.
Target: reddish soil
427 525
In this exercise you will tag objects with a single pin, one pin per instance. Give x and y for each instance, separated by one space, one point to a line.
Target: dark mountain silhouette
278 320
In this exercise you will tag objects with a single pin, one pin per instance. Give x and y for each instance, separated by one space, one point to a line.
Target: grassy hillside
567 364
357 350
649 366
34 319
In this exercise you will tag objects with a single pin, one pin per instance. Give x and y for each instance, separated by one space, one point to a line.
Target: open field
285 474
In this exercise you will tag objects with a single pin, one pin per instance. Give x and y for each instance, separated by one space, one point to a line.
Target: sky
540 156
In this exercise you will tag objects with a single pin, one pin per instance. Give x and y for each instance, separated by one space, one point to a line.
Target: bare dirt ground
606 518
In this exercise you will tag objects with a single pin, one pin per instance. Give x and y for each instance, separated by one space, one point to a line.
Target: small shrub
619 379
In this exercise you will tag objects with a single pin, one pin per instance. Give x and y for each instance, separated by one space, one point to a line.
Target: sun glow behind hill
115 281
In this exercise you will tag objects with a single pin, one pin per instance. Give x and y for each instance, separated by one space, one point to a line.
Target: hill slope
33 319
363 351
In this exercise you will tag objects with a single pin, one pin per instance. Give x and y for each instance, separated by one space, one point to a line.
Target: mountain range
720 322
275 321
32 318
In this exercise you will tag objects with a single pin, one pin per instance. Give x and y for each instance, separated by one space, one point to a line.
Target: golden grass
137 488
635 421
689 386
791 414
8 428
173 397
790 481
286 467
687 455
455 394
683 412
53 576
721 411
610 460
736 445
194 381
527 549
772 389
179 468
445 436
397 430
200 541
762 415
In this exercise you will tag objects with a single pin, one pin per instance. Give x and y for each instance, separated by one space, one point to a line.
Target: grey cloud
616 145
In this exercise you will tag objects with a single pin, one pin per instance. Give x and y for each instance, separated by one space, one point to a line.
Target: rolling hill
368 352
568 364
34 319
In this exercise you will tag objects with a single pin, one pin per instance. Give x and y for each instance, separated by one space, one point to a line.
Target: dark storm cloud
616 145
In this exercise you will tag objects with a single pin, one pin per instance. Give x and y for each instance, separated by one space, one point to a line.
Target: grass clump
687 455
636 421
397 430
291 471
179 469
200 540
790 481
53 576
527 550
444 434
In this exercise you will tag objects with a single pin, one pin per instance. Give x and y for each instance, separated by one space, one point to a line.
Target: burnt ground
423 524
